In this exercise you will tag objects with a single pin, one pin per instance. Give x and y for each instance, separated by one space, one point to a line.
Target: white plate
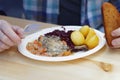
80 54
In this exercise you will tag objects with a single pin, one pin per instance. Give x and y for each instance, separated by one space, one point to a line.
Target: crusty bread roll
111 20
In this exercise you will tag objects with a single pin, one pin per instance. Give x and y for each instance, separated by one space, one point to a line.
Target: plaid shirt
48 11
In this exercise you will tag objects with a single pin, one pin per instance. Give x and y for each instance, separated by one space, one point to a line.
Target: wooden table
15 66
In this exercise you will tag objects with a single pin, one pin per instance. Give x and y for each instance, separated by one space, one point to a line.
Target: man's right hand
10 35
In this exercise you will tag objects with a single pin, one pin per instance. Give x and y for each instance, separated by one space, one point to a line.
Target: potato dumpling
77 38
85 36
84 30
92 39
92 42
91 32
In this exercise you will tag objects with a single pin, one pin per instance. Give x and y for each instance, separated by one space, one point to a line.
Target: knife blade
31 28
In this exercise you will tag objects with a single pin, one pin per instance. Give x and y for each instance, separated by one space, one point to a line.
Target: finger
3 46
116 32
116 43
8 31
19 31
1 49
5 39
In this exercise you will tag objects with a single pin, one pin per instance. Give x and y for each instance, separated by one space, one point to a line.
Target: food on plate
62 43
91 38
49 46
92 42
111 20
84 30
91 32
77 38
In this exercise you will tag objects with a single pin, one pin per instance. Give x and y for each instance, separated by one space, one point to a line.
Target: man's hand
116 41
10 35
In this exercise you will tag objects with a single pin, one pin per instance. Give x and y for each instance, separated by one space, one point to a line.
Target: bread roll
111 20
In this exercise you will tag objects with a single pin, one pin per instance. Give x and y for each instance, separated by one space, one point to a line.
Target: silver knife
31 28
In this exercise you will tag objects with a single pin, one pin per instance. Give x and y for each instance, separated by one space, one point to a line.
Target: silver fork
31 28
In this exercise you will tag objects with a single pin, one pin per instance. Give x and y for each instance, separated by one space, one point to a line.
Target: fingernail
114 43
113 33
116 32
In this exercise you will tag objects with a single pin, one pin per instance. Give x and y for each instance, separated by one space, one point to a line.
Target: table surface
103 65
